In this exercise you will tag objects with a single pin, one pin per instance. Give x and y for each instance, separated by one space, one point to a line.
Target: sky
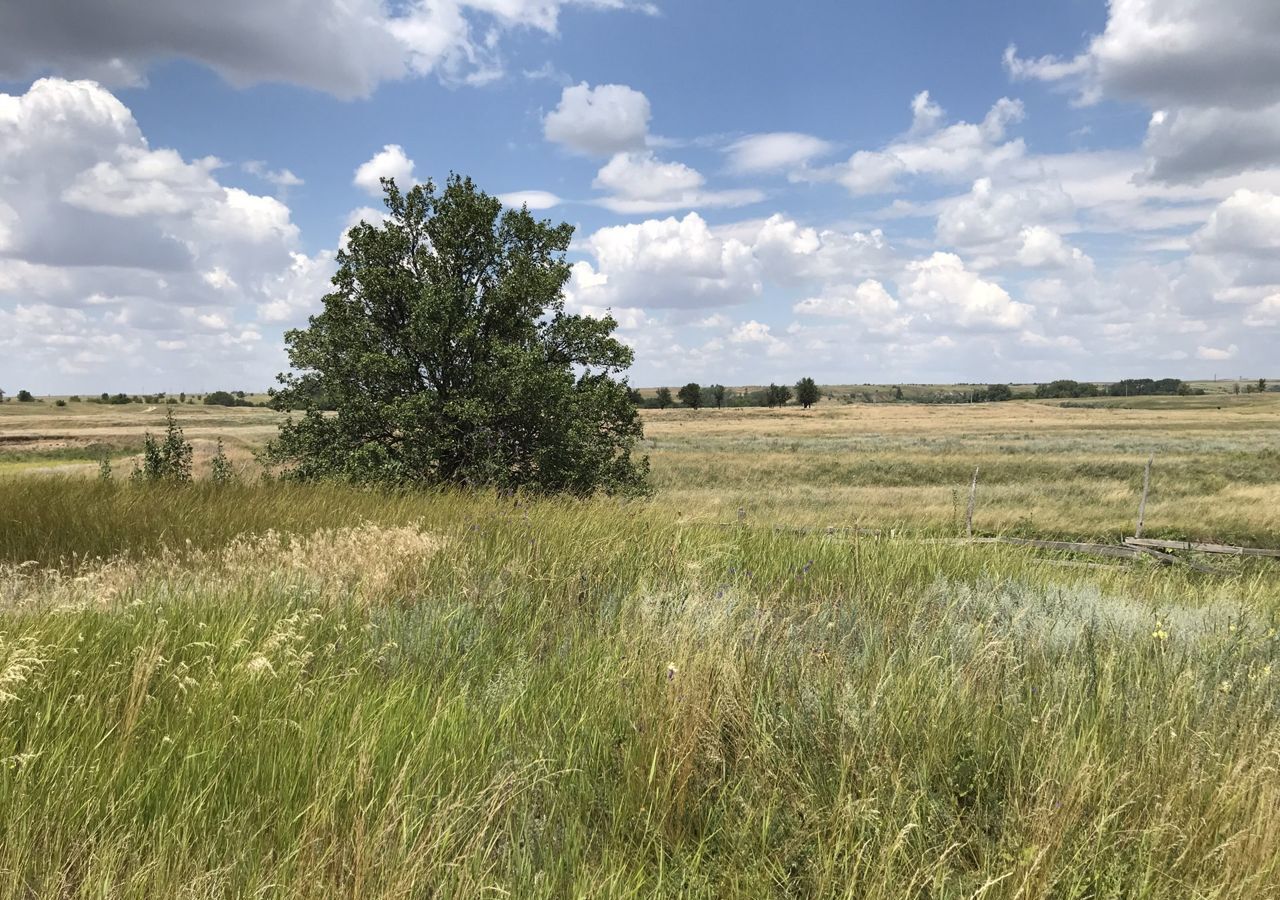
877 191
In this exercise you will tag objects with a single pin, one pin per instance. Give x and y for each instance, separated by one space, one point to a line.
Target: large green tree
691 395
806 392
446 355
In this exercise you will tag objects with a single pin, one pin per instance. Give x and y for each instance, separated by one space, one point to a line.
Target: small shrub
222 470
167 460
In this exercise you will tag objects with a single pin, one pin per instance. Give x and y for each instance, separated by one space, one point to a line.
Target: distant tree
182 396
998 393
224 398
897 392
1146 387
777 395
446 351
664 398
1262 385
1 396
691 395
806 392
716 394
59 402
1237 387
75 398
636 398
1066 389
167 460
24 396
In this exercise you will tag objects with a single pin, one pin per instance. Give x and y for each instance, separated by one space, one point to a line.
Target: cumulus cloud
796 254
1247 223
389 162
108 245
640 183
686 263
930 150
663 263
599 121
869 304
989 215
1195 52
774 151
947 294
1043 248
1209 69
344 47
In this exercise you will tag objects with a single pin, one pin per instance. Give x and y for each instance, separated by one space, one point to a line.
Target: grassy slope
468 697
607 700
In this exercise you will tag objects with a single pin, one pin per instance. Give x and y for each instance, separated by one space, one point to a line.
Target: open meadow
261 689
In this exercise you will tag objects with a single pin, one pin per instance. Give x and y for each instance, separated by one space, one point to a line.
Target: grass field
269 690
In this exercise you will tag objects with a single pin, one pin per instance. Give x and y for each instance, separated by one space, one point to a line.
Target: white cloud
946 293
950 153
281 178
989 215
111 245
1044 248
1216 353
792 253
1247 223
535 200
1209 68
1176 52
774 151
344 47
641 183
389 162
641 176
663 263
599 121
868 304
1264 314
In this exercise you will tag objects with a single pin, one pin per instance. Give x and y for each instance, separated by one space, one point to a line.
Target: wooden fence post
973 496
1146 487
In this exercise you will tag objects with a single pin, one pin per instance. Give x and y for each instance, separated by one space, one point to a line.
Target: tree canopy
806 392
691 395
446 355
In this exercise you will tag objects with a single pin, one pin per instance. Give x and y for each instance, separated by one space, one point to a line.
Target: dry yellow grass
1045 468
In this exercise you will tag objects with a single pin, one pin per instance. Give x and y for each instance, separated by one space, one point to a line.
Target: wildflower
1224 687
672 671
1160 634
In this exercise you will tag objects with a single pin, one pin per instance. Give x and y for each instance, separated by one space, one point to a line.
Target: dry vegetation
267 690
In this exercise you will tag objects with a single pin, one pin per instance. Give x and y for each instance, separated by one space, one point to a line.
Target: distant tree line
806 393
696 396
1067 389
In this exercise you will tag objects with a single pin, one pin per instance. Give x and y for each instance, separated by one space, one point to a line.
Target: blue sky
873 191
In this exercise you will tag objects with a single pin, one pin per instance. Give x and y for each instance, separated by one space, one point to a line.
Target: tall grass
249 695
